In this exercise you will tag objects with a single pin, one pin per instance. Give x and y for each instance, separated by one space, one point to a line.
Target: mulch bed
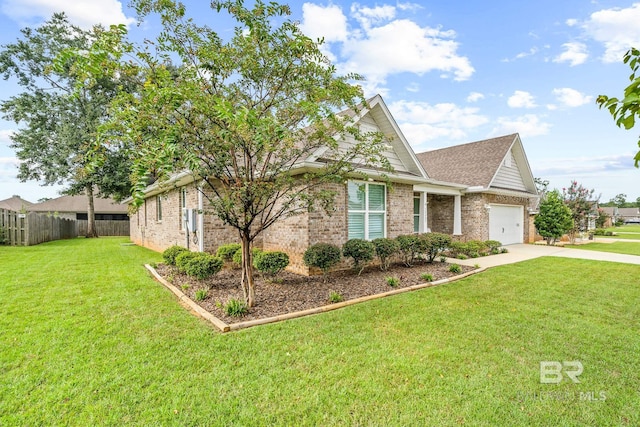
291 292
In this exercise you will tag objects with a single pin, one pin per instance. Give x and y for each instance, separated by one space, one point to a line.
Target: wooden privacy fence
25 229
105 227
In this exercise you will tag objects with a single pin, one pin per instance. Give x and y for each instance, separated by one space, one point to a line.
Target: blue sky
450 72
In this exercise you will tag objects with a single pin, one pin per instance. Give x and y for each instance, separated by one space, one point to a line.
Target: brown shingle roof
78 204
15 203
472 164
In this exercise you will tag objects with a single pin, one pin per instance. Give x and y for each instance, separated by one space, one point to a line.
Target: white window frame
182 195
158 208
366 210
416 196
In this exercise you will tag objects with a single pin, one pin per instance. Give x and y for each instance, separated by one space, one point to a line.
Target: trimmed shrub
199 264
409 245
169 255
323 256
360 250
492 245
433 244
227 251
237 257
385 251
271 263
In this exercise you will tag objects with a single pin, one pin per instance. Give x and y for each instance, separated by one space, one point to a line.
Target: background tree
57 124
626 110
620 200
581 202
244 116
554 219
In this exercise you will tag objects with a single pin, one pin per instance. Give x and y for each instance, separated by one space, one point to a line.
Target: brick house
415 200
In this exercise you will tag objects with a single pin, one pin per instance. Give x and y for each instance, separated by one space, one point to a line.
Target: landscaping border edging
224 327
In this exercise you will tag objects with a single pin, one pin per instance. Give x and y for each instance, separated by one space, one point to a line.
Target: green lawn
88 338
631 228
630 248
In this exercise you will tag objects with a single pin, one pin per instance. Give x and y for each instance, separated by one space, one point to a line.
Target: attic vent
507 160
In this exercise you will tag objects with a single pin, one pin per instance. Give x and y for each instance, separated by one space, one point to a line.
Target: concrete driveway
523 252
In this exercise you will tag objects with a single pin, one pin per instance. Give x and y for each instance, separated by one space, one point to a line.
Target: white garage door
505 224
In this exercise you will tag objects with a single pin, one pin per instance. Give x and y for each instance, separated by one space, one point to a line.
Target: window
367 210
183 204
416 213
158 208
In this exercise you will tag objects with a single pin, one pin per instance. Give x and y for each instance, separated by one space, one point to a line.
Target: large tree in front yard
57 123
254 118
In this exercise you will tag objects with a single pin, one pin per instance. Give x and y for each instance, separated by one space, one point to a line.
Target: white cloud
571 97
571 22
475 96
84 13
527 125
376 44
584 165
368 16
8 168
422 122
328 22
413 87
521 99
5 136
616 28
574 53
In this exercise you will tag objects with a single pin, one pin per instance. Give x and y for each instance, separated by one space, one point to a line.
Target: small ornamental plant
392 281
455 268
335 297
426 277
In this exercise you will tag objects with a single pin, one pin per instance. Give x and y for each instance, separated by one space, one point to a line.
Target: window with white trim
183 204
416 213
158 208
367 210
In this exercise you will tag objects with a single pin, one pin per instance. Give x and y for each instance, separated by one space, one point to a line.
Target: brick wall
475 217
399 210
440 213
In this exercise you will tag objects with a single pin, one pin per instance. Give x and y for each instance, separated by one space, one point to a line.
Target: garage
505 224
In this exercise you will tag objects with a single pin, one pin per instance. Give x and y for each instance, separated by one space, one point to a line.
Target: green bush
323 256
385 250
455 268
271 263
235 308
492 245
361 251
433 244
227 251
199 264
237 257
409 245
170 254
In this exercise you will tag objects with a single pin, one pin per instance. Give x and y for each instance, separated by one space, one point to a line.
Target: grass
88 338
630 248
630 231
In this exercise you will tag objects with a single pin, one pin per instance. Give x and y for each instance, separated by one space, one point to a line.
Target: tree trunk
91 217
248 286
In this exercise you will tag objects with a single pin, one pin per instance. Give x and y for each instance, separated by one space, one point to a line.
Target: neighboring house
626 215
16 204
420 197
111 217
